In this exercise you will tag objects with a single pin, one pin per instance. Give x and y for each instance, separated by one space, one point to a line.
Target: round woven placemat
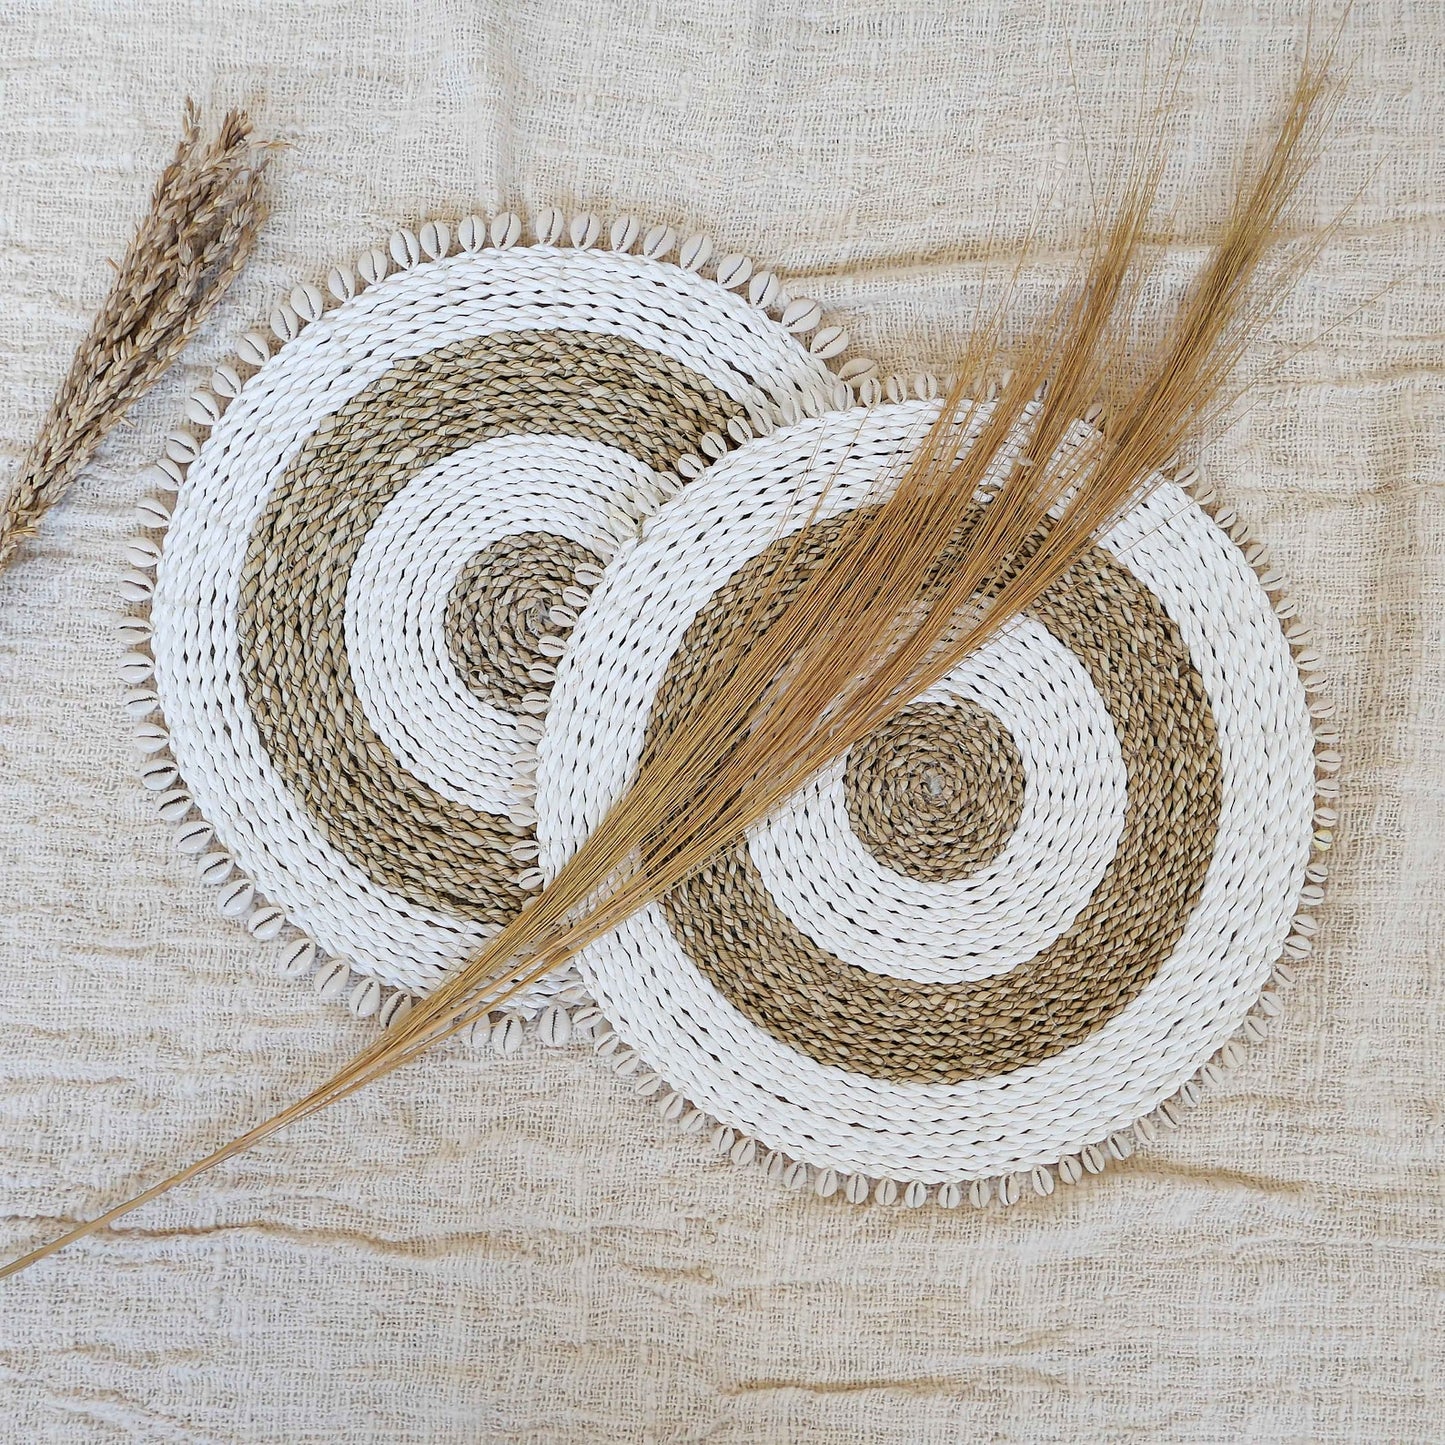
421 583
1014 920
383 540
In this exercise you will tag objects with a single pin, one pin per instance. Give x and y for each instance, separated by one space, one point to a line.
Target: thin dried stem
991 510
206 212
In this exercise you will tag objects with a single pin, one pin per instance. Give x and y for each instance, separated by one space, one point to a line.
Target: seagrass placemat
419 588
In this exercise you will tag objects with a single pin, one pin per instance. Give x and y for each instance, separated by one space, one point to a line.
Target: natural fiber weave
1147 736
382 538
936 792
991 940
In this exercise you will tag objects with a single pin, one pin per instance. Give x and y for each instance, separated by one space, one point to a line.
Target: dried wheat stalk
808 680
205 215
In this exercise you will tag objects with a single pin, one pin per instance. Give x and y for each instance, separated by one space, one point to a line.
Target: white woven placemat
874 986
980 953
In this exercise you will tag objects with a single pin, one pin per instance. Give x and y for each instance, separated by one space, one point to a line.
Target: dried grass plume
1002 496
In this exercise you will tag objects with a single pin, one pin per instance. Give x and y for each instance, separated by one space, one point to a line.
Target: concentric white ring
401 581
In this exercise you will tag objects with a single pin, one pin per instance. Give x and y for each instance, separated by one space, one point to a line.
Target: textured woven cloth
516 1249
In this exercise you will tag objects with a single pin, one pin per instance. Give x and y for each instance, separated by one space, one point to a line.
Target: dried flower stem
205 215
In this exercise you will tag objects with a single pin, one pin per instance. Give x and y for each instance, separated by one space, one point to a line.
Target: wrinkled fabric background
484 1249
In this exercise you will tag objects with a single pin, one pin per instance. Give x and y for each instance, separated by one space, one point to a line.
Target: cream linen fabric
518 1250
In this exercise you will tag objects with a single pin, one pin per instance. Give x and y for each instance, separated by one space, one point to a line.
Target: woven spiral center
936 792
500 608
